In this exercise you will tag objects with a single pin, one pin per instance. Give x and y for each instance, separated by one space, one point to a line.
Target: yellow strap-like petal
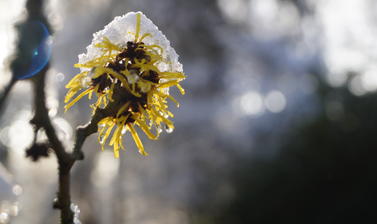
70 104
181 89
138 18
172 75
107 134
137 140
146 130
123 108
168 84
144 36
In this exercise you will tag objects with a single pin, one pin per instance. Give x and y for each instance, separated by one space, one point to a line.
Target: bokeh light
34 52
275 101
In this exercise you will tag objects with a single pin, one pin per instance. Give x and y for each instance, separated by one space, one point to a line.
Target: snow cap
122 29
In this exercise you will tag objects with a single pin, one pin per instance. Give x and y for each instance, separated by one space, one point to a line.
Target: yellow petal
137 140
66 107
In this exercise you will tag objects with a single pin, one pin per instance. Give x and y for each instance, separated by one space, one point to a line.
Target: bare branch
82 132
41 119
4 95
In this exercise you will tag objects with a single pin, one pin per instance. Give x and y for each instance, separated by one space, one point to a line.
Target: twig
65 160
4 95
82 132
41 119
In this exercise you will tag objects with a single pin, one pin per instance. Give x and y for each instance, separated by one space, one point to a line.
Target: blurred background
278 124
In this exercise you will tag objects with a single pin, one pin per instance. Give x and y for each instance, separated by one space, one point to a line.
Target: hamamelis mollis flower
129 67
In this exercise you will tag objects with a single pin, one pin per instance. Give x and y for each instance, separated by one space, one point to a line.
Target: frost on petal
123 28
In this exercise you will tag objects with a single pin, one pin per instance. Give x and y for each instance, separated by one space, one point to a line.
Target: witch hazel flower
128 68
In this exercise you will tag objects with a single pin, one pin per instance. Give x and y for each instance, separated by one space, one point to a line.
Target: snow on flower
129 68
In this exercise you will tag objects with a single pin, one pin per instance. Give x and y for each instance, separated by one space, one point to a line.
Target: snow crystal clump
122 29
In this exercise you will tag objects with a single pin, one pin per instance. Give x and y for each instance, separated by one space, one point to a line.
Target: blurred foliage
326 172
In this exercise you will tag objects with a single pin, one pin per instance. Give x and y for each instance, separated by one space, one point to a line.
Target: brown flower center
126 60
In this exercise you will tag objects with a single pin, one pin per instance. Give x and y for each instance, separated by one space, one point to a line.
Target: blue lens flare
35 47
